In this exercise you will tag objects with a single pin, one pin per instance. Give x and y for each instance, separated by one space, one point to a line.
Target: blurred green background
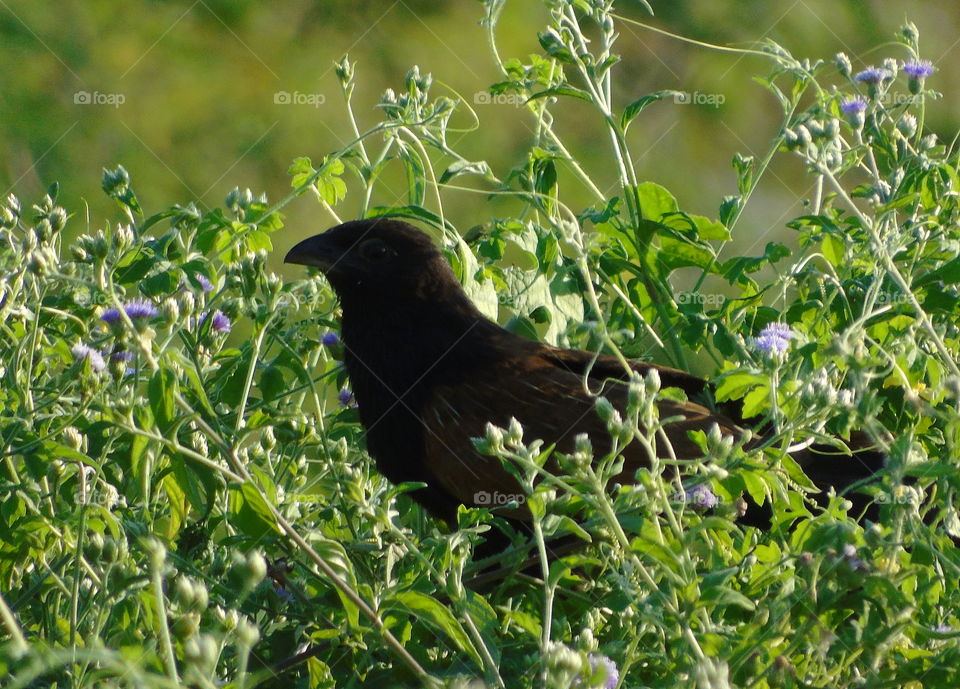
198 81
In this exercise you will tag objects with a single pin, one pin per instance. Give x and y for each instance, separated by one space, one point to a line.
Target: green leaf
675 253
430 610
724 596
640 104
552 45
833 249
272 384
251 514
301 171
730 208
197 481
655 201
178 507
160 284
753 481
335 556
416 188
735 385
467 167
948 273
258 241
756 401
563 90
161 390
410 212
710 229
735 270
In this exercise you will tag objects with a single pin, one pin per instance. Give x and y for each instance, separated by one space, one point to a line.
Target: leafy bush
186 500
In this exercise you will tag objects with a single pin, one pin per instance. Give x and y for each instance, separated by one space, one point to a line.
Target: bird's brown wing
552 405
605 366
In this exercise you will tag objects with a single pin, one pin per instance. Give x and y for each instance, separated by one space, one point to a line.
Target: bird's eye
374 250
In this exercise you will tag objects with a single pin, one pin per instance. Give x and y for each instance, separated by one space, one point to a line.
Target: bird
429 371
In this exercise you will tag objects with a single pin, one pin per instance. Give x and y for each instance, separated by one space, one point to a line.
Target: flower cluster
773 339
204 283
219 323
346 398
702 497
82 352
601 674
136 309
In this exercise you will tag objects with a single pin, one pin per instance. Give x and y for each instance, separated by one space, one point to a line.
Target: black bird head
377 258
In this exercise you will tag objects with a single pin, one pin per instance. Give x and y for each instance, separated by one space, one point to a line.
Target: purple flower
219 323
283 594
83 352
140 308
135 308
773 339
330 339
701 496
919 69
943 628
872 76
204 283
346 398
854 109
119 355
853 106
603 673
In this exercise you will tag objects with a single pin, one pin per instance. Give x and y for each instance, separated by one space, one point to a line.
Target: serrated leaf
735 385
655 201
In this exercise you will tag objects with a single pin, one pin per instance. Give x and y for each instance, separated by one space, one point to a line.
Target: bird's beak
314 251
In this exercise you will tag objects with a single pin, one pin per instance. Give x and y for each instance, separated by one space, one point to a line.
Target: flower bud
843 64
170 310
344 69
247 633
907 125
514 433
73 438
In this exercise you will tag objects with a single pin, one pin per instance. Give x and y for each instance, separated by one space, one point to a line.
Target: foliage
183 505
